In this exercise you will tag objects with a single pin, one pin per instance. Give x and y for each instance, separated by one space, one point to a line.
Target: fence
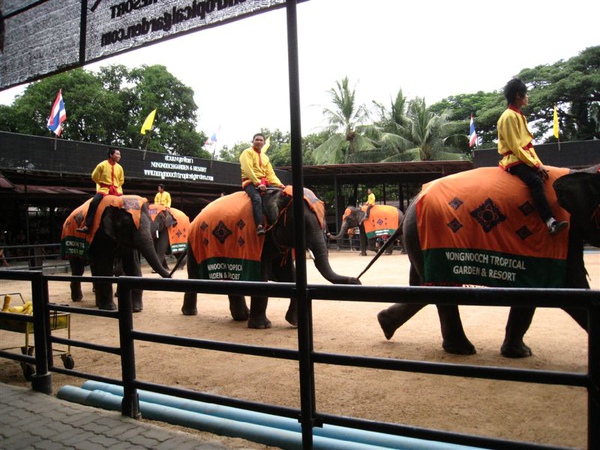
305 355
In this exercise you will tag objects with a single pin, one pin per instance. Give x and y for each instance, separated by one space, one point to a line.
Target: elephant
383 221
121 231
170 228
229 221
484 255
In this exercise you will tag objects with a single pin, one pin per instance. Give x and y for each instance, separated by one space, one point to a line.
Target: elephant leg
77 269
131 266
286 273
577 277
519 320
258 313
190 300
395 316
454 338
238 308
103 291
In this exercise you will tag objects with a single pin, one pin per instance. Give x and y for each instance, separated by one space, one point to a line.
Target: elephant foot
189 311
363 253
387 324
259 324
108 307
459 348
238 308
520 350
137 306
77 298
292 317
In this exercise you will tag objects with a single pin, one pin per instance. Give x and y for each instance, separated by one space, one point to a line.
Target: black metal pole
305 340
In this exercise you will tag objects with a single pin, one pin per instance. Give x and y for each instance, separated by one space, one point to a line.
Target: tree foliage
110 106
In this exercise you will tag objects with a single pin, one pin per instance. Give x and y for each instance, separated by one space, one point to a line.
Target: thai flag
212 140
58 115
472 133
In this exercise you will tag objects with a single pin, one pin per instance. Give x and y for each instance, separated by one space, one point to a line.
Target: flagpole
147 142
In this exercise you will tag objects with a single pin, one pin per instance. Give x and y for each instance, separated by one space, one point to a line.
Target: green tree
574 85
346 143
486 108
109 108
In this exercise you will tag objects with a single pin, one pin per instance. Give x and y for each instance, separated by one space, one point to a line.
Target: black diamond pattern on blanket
204 226
527 208
241 241
488 215
241 224
455 225
221 232
524 232
455 203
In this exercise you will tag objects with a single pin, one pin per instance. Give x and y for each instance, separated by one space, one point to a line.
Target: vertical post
594 375
42 379
305 341
131 405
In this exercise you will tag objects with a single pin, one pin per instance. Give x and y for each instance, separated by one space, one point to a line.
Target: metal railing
573 298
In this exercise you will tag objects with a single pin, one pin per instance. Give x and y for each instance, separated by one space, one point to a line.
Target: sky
429 48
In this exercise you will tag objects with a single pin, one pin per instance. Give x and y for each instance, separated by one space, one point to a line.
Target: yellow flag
148 122
555 122
267 145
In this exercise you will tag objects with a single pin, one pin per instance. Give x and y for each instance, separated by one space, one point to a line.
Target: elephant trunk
317 245
143 242
342 232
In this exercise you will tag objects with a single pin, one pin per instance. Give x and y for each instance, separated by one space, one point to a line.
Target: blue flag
472 133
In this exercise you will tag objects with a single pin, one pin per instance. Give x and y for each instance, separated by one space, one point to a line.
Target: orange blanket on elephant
223 240
481 227
316 205
178 232
383 221
75 244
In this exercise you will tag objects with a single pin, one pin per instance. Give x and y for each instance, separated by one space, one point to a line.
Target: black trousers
535 183
89 217
256 199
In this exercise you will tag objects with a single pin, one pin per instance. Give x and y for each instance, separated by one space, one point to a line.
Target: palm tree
414 133
346 143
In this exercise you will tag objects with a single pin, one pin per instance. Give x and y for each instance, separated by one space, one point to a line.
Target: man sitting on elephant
257 175
109 177
518 155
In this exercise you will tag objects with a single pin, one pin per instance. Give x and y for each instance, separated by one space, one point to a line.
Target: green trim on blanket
74 247
494 269
221 268
177 248
377 233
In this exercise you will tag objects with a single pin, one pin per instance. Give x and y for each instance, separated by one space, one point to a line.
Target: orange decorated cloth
481 227
76 244
383 220
223 240
316 205
178 233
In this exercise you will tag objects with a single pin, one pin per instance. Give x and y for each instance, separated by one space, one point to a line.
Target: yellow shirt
515 140
106 174
163 198
257 169
371 199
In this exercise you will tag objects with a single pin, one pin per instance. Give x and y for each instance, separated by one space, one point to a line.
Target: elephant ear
579 194
108 223
170 220
273 202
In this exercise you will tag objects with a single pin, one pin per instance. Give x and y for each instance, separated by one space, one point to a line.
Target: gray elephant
383 221
170 228
121 229
502 242
223 245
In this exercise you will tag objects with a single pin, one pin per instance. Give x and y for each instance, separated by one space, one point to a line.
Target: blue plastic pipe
283 423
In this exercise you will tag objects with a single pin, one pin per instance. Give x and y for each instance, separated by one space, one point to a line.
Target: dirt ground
544 414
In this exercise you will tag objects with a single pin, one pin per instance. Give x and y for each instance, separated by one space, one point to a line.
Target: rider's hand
543 172
261 187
